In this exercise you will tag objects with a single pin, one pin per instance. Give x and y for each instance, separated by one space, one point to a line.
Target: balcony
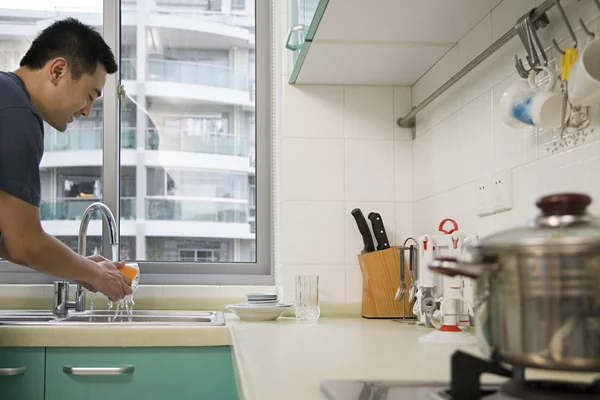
72 209
189 72
208 143
163 208
83 139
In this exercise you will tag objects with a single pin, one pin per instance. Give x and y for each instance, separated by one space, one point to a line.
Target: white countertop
286 359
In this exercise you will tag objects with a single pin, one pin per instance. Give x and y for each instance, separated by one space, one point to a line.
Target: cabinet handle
288 45
124 370
12 371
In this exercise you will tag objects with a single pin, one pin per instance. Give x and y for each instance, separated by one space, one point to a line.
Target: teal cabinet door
22 373
140 373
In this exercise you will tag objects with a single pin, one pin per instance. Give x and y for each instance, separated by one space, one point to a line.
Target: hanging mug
525 103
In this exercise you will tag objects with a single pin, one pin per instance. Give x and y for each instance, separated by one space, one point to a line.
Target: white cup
584 78
524 103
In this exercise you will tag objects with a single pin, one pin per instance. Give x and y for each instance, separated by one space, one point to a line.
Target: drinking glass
306 306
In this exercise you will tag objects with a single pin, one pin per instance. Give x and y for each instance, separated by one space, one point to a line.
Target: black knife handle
379 231
363 228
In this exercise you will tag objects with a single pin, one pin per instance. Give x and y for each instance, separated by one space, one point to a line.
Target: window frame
173 272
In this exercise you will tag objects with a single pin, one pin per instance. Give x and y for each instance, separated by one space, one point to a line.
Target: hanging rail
408 120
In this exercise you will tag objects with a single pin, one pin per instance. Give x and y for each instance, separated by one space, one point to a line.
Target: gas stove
464 385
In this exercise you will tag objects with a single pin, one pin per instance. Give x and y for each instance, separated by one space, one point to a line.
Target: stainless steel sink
24 319
107 317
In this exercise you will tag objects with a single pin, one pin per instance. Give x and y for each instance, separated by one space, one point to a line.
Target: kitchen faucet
61 288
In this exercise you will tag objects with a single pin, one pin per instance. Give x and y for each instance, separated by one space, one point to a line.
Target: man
60 77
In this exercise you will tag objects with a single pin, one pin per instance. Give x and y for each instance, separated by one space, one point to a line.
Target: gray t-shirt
21 141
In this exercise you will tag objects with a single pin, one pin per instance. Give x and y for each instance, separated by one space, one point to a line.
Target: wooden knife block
381 277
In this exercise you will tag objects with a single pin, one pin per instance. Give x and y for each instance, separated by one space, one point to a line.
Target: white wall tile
441 108
369 170
403 166
353 284
402 106
443 70
475 42
369 112
422 218
404 222
25 290
313 169
445 172
314 111
191 292
474 156
354 242
149 292
422 165
312 233
332 280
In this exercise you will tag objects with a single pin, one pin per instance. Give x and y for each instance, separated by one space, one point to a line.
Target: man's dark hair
80 44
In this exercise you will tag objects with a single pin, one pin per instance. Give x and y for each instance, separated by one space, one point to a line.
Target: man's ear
58 69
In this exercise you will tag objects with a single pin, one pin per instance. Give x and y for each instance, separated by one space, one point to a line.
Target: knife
363 228
379 231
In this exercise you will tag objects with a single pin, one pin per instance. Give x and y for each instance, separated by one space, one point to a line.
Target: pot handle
450 266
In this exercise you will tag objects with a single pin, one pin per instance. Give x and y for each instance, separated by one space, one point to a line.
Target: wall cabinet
383 42
131 373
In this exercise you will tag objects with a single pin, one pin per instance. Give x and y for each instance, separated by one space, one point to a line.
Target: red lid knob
564 204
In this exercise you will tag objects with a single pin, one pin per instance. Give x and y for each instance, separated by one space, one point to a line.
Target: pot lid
563 220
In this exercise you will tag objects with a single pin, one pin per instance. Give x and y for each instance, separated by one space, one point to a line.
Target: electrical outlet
502 198
484 197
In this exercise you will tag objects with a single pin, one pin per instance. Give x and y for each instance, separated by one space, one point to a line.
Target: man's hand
96 258
112 283
114 287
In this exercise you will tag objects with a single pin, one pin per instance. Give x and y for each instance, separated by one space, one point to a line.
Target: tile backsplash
341 149
461 137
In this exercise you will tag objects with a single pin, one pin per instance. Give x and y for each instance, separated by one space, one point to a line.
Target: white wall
461 138
341 149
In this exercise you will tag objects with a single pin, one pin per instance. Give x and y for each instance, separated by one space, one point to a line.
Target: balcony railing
158 208
83 139
189 72
209 143
163 208
72 208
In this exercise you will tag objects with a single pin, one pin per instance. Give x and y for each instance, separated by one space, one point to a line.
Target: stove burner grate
549 390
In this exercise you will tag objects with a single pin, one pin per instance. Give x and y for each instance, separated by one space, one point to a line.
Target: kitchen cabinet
131 373
304 18
22 373
382 42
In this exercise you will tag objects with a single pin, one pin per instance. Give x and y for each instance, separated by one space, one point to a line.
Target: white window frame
188 273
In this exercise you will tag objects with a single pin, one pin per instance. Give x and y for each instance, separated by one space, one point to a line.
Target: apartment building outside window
176 157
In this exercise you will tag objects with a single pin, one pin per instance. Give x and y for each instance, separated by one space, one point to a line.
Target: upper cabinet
377 42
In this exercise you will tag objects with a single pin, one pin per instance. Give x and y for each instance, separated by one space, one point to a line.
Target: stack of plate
260 299
259 307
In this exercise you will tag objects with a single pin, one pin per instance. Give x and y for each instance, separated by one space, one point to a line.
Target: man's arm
24 242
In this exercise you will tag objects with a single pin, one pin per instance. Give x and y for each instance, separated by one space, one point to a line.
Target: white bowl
249 312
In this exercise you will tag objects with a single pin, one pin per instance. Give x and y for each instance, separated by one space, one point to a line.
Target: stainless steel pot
538 288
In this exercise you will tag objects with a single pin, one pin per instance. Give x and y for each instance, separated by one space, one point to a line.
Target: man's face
71 98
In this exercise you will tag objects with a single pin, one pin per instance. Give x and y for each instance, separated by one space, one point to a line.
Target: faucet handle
61 297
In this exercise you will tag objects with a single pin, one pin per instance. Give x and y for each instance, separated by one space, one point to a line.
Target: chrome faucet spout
61 288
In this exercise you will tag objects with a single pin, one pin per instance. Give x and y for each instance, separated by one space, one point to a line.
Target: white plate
261 297
249 312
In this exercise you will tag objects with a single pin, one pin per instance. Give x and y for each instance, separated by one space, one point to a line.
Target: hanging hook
585 29
569 28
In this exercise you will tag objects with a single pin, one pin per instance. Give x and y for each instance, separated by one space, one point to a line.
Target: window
175 159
